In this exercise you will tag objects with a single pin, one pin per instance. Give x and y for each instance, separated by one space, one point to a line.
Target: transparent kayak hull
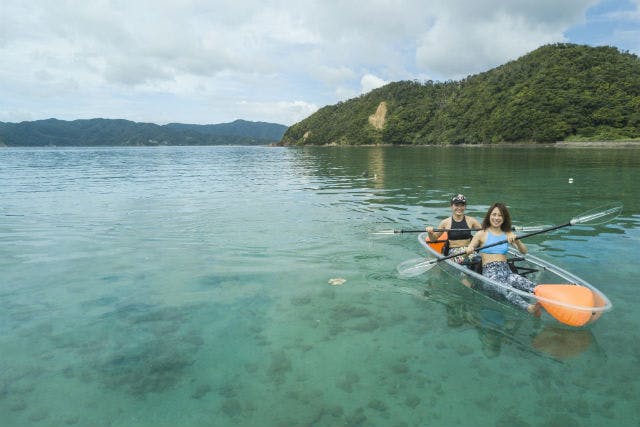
560 303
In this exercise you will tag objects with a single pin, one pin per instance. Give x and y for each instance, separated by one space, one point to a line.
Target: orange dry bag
438 245
568 294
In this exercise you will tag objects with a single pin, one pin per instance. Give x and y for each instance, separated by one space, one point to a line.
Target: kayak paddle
417 266
525 229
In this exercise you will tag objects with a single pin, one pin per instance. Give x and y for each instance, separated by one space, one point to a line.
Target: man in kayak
496 227
459 226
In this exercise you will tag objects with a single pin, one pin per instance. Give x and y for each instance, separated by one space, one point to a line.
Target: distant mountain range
560 92
109 132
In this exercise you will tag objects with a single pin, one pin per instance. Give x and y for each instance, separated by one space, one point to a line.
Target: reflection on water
563 343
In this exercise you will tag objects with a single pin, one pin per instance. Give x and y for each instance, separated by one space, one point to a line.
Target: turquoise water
190 286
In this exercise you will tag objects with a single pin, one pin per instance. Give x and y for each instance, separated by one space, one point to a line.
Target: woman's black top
456 232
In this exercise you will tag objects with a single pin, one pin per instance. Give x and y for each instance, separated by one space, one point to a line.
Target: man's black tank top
454 234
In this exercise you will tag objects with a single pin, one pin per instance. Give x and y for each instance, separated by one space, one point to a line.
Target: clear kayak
566 297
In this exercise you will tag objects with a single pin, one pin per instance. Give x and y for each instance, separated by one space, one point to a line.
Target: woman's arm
433 236
473 223
517 243
476 242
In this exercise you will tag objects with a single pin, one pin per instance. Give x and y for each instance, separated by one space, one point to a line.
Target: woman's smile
496 218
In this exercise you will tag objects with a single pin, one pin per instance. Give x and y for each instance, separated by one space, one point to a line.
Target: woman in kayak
459 226
496 227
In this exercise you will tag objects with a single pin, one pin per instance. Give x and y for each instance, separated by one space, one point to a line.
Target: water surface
190 286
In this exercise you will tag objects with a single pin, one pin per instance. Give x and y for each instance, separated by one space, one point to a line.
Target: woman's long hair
506 218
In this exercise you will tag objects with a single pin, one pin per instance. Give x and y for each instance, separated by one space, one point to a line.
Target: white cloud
368 82
470 37
282 59
285 112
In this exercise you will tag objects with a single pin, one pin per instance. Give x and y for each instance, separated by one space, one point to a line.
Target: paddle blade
530 228
599 215
415 267
384 232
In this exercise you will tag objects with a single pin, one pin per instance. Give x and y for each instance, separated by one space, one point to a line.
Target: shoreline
559 144
598 144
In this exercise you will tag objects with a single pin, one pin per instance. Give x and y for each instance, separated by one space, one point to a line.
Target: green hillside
257 130
556 93
108 132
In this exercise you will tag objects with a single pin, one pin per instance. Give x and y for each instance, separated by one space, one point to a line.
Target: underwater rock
126 311
334 329
39 415
194 340
201 391
357 418
367 326
378 405
607 409
343 312
412 401
328 294
72 420
301 300
18 406
464 350
561 420
348 382
228 390
168 314
150 368
511 420
100 302
279 367
68 372
212 280
401 368
345 386
335 411
232 408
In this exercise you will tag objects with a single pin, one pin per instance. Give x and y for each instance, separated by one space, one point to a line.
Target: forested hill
107 132
556 93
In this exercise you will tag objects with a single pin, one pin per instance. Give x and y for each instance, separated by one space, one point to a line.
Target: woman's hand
513 239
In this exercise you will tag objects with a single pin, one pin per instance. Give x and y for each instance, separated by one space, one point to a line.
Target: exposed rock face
306 135
378 119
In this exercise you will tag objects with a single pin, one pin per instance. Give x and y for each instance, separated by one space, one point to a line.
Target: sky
215 61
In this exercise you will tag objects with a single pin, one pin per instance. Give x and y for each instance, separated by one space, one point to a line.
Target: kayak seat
478 267
474 266
522 271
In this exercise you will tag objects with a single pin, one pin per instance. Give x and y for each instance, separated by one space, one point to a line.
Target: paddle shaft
555 227
435 230
438 230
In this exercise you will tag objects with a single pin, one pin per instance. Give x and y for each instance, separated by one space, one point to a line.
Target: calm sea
191 286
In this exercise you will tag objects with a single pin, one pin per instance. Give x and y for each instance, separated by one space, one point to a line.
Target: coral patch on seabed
280 365
151 367
201 391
